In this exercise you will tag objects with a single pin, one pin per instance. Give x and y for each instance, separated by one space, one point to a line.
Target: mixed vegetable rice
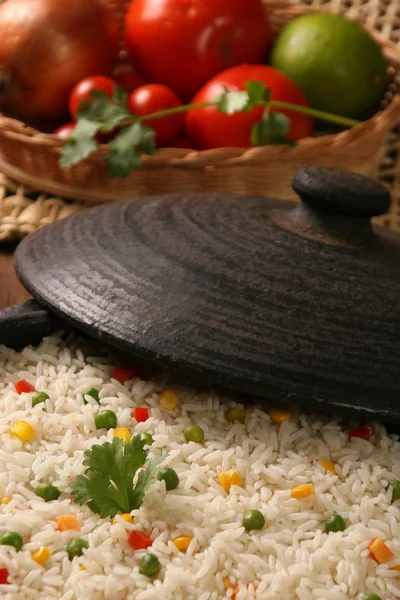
114 486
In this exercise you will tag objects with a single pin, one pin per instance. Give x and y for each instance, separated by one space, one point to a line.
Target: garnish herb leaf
126 149
104 114
231 102
272 129
82 142
109 112
107 486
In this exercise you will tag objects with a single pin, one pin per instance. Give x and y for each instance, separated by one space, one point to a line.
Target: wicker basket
32 158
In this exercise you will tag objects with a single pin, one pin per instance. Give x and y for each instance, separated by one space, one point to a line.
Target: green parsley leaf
232 102
272 129
107 486
126 149
82 143
256 93
109 112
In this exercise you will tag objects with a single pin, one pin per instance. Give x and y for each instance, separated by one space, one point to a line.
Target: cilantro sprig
108 487
135 138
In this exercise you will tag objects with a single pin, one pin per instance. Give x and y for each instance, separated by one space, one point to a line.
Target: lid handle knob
342 193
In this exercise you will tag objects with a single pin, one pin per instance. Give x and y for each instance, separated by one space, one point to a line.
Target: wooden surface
11 291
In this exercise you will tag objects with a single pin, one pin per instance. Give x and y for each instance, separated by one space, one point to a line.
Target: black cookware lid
280 300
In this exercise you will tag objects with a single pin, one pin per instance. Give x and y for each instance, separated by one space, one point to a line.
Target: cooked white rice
292 557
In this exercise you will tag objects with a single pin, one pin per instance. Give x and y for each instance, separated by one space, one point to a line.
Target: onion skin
46 47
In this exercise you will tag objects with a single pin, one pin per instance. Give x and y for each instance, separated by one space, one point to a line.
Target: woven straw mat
24 210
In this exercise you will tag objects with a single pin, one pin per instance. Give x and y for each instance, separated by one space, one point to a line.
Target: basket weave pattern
25 155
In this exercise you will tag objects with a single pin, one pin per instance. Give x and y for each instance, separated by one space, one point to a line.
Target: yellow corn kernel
126 517
82 568
303 491
123 433
229 478
227 583
182 543
22 430
278 416
5 500
41 555
327 464
169 400
236 414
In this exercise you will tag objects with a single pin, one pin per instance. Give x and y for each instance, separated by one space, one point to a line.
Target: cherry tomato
153 98
141 414
127 78
210 128
24 386
82 91
65 131
182 43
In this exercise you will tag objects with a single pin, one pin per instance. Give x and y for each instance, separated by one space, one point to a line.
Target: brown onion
46 47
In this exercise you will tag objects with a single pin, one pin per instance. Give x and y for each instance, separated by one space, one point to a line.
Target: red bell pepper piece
123 375
141 414
24 386
361 432
4 574
139 540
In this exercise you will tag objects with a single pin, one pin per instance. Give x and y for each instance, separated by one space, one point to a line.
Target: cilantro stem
312 112
316 114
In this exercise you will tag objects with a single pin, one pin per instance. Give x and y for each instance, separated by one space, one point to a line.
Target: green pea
12 538
372 597
148 438
93 393
47 491
106 419
170 477
149 565
395 485
335 523
194 433
253 519
75 547
39 397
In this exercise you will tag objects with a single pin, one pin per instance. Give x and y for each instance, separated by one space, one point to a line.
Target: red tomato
182 43
82 91
65 131
127 78
141 414
210 128
361 432
182 142
23 386
153 98
139 540
4 574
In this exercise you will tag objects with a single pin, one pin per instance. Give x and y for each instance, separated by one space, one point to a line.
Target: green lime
338 65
